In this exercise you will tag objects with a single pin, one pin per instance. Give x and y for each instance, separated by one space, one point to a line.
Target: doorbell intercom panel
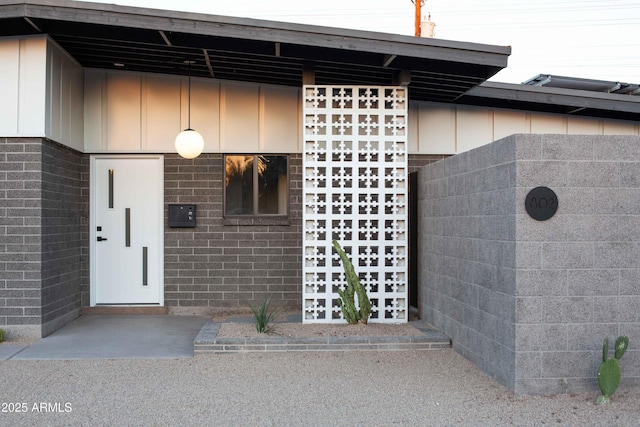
182 215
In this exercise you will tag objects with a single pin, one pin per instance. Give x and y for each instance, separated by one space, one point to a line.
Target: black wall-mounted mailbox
182 215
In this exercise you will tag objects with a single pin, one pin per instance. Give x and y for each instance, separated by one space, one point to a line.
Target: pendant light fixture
189 143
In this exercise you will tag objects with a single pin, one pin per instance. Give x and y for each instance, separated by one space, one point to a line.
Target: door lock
101 239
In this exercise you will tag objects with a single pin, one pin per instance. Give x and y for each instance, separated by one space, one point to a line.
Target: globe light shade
189 144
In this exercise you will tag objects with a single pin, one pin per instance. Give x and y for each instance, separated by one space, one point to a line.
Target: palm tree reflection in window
256 185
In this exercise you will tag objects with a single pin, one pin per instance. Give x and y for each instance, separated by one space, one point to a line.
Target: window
256 185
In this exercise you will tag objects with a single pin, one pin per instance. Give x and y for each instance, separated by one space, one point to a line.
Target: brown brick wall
220 264
227 264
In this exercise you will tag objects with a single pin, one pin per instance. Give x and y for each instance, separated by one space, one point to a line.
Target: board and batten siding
41 89
133 112
47 94
436 128
23 65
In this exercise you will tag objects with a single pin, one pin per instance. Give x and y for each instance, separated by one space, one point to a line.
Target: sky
592 39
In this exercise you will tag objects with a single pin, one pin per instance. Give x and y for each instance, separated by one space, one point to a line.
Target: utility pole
418 4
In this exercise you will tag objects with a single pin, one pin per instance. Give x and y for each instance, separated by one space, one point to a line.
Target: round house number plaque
541 203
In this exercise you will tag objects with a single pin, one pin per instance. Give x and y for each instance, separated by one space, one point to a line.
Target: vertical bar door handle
127 227
110 188
145 275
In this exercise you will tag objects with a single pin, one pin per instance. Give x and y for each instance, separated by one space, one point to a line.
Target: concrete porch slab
118 337
7 351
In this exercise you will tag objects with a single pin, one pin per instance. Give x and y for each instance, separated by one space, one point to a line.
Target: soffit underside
154 50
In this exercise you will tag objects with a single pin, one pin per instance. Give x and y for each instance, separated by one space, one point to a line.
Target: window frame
255 184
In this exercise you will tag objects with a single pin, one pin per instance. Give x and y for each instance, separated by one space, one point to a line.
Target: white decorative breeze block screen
355 192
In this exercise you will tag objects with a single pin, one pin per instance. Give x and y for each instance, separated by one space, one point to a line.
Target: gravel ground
412 388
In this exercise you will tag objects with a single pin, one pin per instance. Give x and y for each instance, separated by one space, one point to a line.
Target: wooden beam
402 78
308 74
388 59
207 60
165 38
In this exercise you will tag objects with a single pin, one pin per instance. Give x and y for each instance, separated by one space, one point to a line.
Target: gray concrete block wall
577 273
224 264
466 255
85 193
40 244
64 222
561 285
20 239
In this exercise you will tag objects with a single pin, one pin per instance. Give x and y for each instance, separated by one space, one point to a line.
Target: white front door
127 243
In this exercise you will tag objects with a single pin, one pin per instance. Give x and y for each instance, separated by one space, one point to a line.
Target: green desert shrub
263 315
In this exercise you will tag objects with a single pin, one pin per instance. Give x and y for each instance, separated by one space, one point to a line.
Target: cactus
609 372
2 335
347 300
621 346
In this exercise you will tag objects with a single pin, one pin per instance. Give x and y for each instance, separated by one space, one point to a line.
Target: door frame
92 223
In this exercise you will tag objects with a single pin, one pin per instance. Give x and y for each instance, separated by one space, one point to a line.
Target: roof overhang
604 86
108 36
554 100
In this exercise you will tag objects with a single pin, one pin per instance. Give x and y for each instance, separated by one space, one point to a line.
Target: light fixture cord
189 97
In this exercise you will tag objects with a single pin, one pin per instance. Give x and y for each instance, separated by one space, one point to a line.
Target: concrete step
124 310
